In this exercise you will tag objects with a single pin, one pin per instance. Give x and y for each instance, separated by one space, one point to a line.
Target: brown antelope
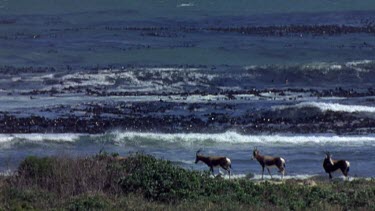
269 162
214 161
331 165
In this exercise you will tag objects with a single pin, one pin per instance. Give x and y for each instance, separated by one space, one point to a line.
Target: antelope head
329 157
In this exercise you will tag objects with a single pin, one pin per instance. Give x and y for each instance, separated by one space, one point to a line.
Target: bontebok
214 161
331 165
269 162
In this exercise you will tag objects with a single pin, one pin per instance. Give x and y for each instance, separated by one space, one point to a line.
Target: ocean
294 79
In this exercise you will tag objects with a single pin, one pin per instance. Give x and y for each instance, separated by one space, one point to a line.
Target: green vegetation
142 182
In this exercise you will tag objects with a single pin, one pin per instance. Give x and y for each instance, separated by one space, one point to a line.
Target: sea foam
141 139
336 107
40 137
236 138
186 5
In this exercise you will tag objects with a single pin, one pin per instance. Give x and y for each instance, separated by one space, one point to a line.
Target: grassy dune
142 182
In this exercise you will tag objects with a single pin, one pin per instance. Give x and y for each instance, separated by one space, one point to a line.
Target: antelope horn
101 150
199 151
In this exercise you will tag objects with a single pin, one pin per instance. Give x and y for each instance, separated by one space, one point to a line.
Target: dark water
169 77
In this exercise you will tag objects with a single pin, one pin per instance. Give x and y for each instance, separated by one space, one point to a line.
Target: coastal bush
87 202
69 176
26 199
160 180
34 167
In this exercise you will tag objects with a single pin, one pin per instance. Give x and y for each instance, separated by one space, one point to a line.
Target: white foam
235 138
7 173
87 79
195 138
336 107
257 177
232 176
16 79
356 65
278 176
143 79
186 5
40 137
334 66
325 67
359 62
189 162
266 176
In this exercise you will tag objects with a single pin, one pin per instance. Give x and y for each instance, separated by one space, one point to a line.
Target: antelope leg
212 171
220 171
269 172
262 172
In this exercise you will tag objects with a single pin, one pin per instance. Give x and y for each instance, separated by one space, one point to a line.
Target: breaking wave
336 107
39 137
185 139
186 5
236 138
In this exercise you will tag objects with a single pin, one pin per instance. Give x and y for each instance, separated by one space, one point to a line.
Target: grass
142 182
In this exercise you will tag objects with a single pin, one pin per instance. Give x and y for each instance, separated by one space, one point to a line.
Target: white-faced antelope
331 165
269 162
214 161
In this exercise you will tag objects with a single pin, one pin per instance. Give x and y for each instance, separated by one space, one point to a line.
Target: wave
7 173
315 177
336 107
319 65
186 139
207 79
236 138
277 177
297 176
40 137
186 5
359 62
175 79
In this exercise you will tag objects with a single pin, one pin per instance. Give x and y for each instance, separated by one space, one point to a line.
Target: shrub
87 202
160 180
30 199
33 167
68 176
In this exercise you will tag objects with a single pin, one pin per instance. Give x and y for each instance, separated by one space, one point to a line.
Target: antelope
331 165
269 162
214 161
